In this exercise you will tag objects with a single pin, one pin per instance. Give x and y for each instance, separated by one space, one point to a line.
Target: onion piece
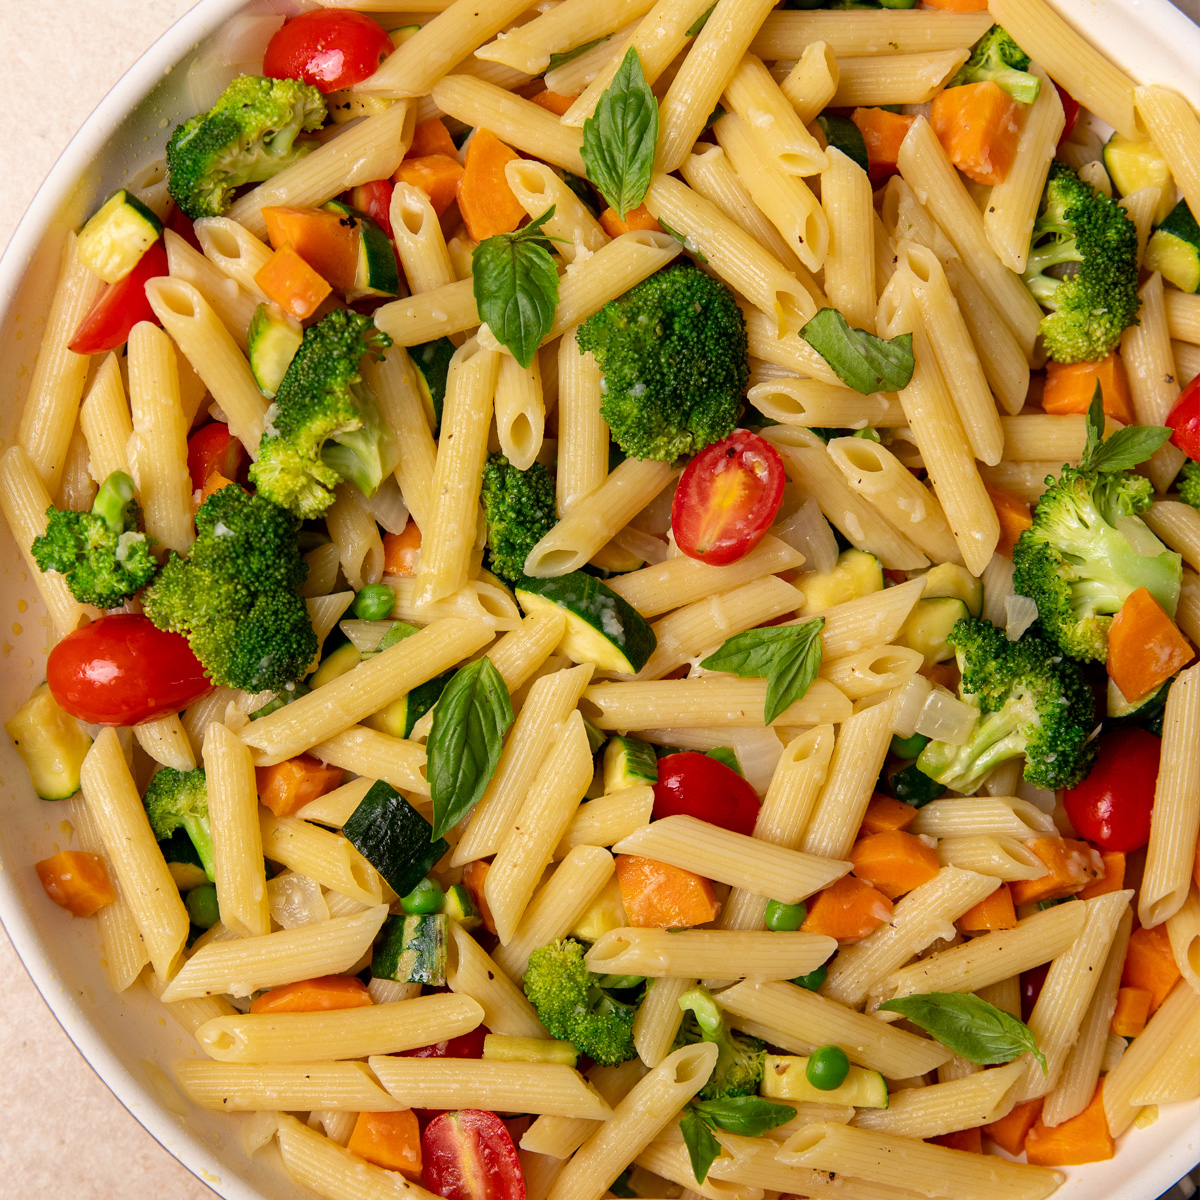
997 587
807 530
1020 613
387 506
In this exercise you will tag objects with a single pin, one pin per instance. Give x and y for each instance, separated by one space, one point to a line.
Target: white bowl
123 1036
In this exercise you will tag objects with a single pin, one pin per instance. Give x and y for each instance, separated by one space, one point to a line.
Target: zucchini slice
399 717
432 360
394 838
413 949
1174 249
117 235
949 579
377 274
856 574
459 906
628 762
502 1048
1135 164
930 624
51 742
274 338
784 1078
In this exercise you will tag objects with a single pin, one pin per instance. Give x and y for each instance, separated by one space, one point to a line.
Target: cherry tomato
214 448
121 306
1070 112
466 1045
1111 807
469 1155
179 222
121 670
695 785
375 199
1031 988
329 49
727 498
1185 420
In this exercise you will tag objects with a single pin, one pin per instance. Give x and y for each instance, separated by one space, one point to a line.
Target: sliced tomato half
469 1155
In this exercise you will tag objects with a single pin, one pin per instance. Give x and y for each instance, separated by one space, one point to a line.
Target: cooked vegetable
391 1140
1083 1138
179 800
895 862
882 132
656 895
848 910
739 1068
274 338
998 58
329 50
791 1077
323 994
1136 163
1188 483
1145 647
992 912
393 837
437 175
76 881
52 744
1070 387
518 507
413 949
286 787
698 785
979 126
116 236
488 205
1070 866
1174 249
1150 964
1132 1012
288 281
628 762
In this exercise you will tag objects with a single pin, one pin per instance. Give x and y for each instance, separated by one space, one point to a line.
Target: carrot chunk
970 1140
882 132
992 912
884 813
1145 647
1081 1139
485 200
635 218
76 881
553 101
388 1139
1070 387
431 137
212 484
288 280
437 175
327 241
657 895
1149 964
400 550
1132 1011
474 873
288 786
847 910
1013 514
894 862
1113 879
323 994
978 125
1010 1132
1070 865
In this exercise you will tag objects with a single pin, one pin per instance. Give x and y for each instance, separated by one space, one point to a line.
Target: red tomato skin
694 785
121 306
466 1045
1111 807
1185 420
213 448
375 199
122 670
328 49
469 1155
1070 112
179 222
718 517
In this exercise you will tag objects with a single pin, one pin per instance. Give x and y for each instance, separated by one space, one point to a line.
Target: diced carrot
1010 1132
388 1139
288 786
1069 387
432 137
1149 964
847 910
970 1140
978 125
657 895
474 873
1013 514
327 241
958 5
1145 647
400 550
1113 879
487 203
992 912
323 994
1083 1138
1132 1011
288 280
437 175
1070 866
882 132
894 862
553 101
76 881
213 484
635 218
884 813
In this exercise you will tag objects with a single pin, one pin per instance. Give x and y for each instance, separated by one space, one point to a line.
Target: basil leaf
1095 427
464 747
620 137
1125 449
700 22
787 656
559 60
971 1027
516 287
751 1116
683 241
860 359
703 1149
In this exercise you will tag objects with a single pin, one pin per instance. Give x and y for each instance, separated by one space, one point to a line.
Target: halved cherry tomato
727 498
375 199
1185 420
695 785
1111 807
214 448
466 1045
1070 112
121 306
326 48
122 670
469 1155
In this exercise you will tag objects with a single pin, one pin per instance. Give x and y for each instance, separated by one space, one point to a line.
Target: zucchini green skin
842 134
1174 249
629 762
413 949
432 360
399 717
273 337
117 235
459 906
929 625
378 274
394 838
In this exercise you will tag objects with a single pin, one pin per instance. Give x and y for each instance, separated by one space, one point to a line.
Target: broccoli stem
113 500
197 829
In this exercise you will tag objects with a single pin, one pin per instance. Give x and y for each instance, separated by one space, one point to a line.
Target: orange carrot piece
76 881
1113 879
970 1140
1145 647
1132 1011
978 125
882 132
659 896
288 280
847 910
1069 387
288 786
437 175
1149 964
485 200
432 137
1013 514
327 241
1083 1138
323 994
635 218
992 912
1071 865
883 814
388 1139
400 550
212 484
474 873
553 102
1010 1132
894 862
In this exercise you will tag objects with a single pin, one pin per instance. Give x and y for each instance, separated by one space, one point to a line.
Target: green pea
813 980
909 747
785 918
426 897
827 1068
202 906
374 602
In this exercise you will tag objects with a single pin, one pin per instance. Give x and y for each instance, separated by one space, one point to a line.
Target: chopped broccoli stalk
324 426
740 1057
101 553
1090 245
179 800
673 354
519 509
1032 700
249 135
998 58
234 596
573 1006
1086 552
1188 484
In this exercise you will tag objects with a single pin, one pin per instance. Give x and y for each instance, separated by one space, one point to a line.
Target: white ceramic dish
123 1037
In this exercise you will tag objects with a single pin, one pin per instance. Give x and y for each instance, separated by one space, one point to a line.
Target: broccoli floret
100 553
572 1004
998 58
234 596
179 800
1086 552
247 136
324 426
1091 241
1032 700
740 1057
519 509
673 354
1188 483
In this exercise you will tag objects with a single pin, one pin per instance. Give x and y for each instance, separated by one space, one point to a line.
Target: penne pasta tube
537 189
870 620
1183 931
263 1087
868 672
105 421
850 262
367 751
1179 526
326 857
784 35
658 1019
685 953
607 819
1003 857
520 411
228 299
165 740
813 82
234 251
1001 815
771 120
895 78
440 312
1176 1076
420 243
472 972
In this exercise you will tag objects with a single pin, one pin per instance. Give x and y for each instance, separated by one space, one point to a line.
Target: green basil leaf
464 747
683 241
860 359
787 656
1125 449
559 60
751 1116
1095 427
516 287
700 22
620 137
971 1027
703 1149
